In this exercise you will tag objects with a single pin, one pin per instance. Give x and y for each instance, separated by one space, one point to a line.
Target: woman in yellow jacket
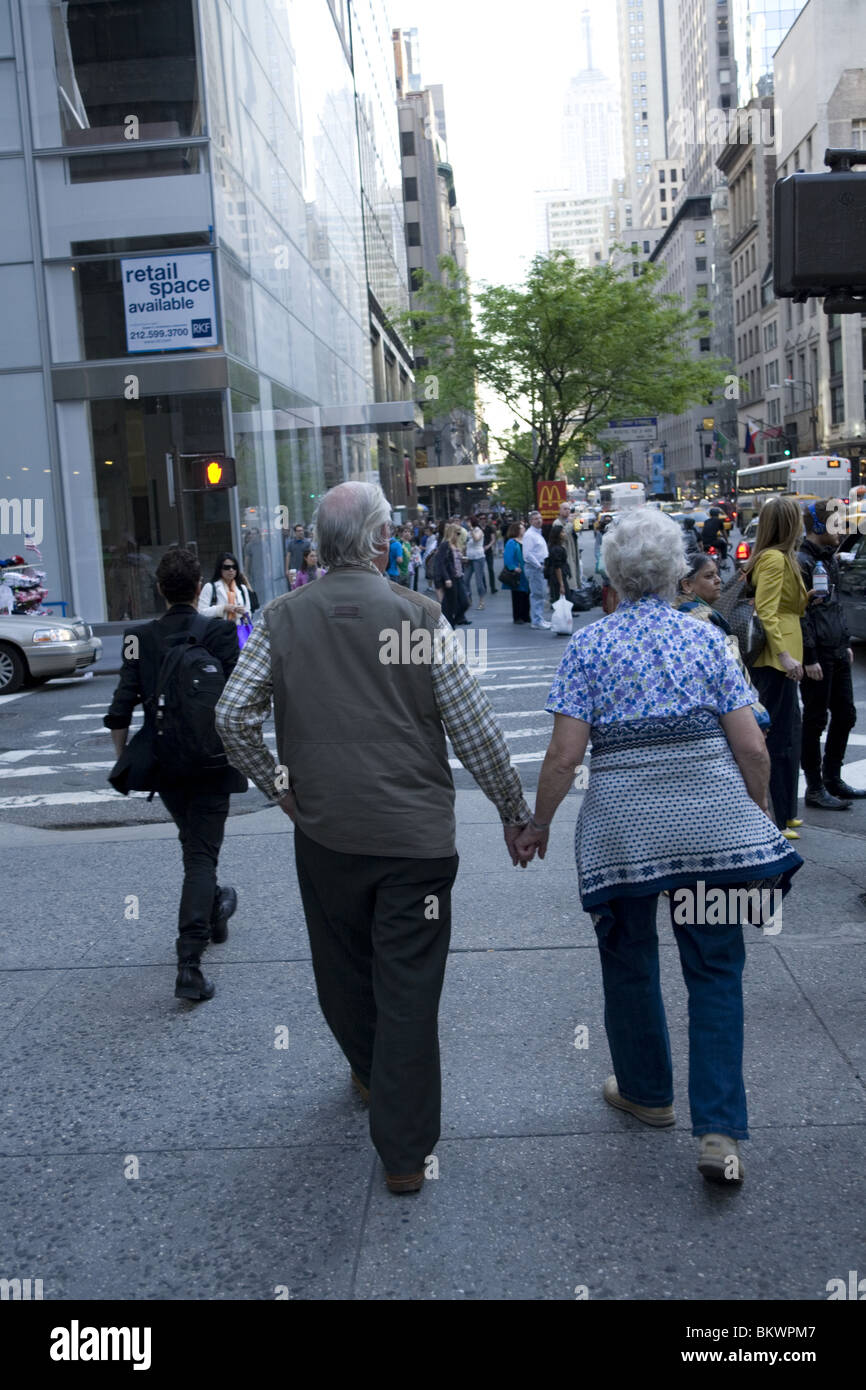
780 601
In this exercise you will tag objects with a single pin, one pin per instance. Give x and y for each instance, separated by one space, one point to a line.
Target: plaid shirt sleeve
472 728
242 709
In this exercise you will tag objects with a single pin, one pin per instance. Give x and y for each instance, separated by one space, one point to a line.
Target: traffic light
212 473
607 465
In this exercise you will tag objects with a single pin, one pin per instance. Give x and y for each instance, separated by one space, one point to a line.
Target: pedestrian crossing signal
213 473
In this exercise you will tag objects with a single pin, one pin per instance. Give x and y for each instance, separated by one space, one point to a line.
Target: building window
673 175
661 175
704 344
111 61
700 238
773 372
407 142
416 278
858 134
646 248
663 197
664 214
410 190
773 410
701 291
413 233
700 263
837 405
835 346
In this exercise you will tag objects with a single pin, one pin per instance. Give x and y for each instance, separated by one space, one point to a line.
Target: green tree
440 328
566 351
516 473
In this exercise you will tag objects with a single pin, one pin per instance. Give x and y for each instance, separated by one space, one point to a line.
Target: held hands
525 840
793 669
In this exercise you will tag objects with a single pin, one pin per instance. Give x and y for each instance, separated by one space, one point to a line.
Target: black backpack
191 680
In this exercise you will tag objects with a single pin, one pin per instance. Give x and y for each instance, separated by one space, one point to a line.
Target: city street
153 1149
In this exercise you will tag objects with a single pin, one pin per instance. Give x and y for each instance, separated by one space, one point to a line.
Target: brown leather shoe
408 1182
363 1091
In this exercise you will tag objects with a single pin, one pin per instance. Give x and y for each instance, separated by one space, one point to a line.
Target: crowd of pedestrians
692 786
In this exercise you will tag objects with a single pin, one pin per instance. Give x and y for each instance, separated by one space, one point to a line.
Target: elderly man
534 556
363 773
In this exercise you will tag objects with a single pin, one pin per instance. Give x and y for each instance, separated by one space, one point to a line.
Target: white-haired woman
676 801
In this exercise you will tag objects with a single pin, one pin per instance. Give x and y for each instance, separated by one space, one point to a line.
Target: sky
504 67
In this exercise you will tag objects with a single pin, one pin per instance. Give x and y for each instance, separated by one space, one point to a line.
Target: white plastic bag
560 618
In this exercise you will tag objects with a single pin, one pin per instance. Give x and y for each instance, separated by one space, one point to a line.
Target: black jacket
443 565
138 681
825 631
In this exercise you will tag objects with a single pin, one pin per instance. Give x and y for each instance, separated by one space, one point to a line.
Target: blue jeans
712 960
537 583
475 570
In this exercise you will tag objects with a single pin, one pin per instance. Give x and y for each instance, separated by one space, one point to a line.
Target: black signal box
819 234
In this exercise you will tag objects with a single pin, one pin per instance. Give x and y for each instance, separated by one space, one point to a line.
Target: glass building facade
236 141
758 28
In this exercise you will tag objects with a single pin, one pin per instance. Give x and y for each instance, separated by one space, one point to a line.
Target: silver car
35 647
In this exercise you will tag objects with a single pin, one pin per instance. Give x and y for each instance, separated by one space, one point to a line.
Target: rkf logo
550 496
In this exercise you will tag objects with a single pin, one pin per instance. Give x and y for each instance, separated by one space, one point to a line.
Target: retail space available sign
169 302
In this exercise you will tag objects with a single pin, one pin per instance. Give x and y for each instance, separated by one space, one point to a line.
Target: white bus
616 497
817 475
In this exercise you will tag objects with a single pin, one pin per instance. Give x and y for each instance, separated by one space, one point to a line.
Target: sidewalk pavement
154 1149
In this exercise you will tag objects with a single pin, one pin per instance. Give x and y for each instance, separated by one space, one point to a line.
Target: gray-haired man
361 742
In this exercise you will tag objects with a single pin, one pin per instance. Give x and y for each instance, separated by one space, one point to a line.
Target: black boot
191 983
225 906
824 800
836 787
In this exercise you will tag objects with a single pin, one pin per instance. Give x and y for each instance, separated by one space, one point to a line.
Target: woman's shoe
790 834
794 824
481 604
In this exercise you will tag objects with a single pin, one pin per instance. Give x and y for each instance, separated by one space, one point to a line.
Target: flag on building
749 446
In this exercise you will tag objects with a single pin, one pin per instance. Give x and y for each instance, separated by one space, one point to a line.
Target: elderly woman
677 801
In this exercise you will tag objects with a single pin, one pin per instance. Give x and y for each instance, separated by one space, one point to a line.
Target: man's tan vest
363 740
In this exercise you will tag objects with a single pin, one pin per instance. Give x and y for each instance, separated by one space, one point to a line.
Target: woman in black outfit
558 568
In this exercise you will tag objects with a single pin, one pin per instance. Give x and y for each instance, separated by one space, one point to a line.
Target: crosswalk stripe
518 685
14 803
19 754
39 771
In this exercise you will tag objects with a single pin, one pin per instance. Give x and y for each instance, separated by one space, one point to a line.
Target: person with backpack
176 667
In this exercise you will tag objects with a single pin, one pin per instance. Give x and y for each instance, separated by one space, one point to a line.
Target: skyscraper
591 127
649 71
708 85
758 27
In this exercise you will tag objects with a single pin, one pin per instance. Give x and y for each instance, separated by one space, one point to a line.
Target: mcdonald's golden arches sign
550 495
